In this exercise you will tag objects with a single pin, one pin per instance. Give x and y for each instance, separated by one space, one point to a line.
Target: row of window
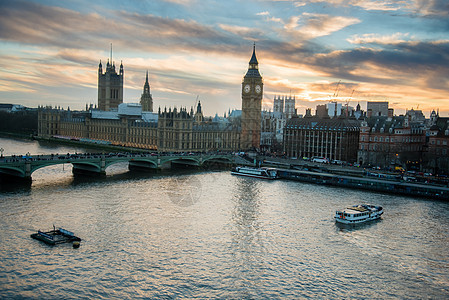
383 147
438 142
392 140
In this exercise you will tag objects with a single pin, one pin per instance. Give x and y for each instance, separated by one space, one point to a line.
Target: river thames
207 234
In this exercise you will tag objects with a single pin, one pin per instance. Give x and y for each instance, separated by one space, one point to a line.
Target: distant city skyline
395 51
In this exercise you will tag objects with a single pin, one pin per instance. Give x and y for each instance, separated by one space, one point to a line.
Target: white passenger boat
358 214
265 173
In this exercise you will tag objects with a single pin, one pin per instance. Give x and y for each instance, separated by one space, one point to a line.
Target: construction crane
196 101
336 90
347 103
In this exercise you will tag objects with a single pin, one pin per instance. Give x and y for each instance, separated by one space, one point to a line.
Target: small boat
358 214
265 173
57 236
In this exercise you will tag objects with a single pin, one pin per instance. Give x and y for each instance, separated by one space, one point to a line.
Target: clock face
258 89
247 88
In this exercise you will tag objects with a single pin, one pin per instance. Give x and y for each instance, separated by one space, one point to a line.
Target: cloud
386 5
439 8
54 51
299 4
244 32
374 38
317 25
377 5
181 2
403 63
308 26
31 23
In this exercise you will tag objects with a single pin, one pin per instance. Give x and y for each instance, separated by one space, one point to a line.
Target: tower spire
253 65
253 60
111 53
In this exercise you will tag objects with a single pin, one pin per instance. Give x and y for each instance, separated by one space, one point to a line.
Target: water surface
207 234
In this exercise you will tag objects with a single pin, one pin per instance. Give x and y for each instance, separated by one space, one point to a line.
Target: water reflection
342 227
14 185
247 241
243 238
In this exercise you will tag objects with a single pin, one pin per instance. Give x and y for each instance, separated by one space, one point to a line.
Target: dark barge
57 236
379 185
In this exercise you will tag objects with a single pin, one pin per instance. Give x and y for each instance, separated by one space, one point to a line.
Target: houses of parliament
136 125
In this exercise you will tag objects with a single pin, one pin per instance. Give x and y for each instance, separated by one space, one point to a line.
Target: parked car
320 160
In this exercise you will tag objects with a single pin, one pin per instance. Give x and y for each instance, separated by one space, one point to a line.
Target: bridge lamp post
1 151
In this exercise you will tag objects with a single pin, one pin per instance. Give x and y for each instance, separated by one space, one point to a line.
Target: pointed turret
253 59
146 87
146 100
198 107
198 115
253 70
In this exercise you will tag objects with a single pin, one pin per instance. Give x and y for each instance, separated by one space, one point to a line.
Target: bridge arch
143 163
13 171
219 159
188 160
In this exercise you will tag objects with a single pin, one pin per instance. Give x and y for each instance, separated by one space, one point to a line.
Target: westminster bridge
24 165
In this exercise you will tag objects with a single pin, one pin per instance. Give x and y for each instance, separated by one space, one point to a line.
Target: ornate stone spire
253 70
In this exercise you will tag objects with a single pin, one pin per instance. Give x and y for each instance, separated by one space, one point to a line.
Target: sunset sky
386 50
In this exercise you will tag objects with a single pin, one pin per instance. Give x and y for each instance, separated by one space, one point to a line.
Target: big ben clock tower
252 93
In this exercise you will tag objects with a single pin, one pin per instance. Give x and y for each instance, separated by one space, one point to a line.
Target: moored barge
56 236
263 173
373 184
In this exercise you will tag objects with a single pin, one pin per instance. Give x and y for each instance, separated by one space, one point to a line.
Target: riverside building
334 139
391 141
172 129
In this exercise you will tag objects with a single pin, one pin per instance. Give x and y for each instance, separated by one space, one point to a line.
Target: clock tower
252 94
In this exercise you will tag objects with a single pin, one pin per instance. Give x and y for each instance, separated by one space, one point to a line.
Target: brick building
391 141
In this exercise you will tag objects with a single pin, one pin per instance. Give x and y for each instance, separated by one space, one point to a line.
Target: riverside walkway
23 166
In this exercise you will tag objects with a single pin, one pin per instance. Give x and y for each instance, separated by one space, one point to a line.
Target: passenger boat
358 214
56 236
265 173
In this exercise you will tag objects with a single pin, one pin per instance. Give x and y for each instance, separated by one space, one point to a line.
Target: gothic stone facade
173 131
110 87
252 92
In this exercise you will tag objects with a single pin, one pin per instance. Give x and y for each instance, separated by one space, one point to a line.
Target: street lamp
1 151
